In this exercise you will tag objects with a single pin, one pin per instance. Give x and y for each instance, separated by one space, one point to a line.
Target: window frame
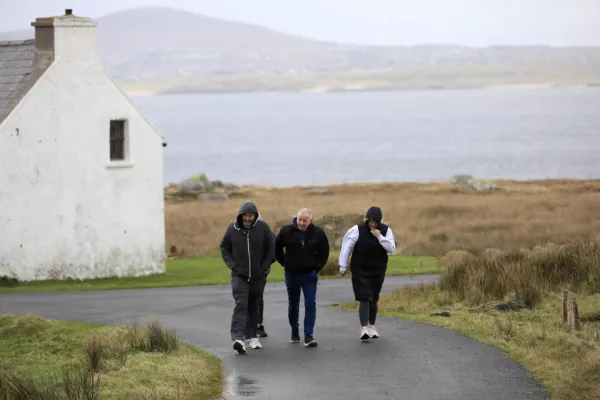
125 161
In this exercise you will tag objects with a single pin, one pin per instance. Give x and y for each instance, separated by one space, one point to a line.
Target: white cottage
81 169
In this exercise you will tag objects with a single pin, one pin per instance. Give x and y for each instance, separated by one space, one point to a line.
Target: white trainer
364 333
239 346
255 343
373 331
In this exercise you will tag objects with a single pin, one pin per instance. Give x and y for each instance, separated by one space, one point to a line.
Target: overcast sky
393 22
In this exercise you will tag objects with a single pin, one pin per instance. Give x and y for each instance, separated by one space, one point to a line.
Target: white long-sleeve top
350 238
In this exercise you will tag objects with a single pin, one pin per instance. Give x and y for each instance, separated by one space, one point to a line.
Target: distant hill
163 48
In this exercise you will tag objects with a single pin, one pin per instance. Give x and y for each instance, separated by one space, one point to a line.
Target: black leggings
367 312
261 310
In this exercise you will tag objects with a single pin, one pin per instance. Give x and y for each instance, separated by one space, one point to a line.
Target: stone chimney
66 37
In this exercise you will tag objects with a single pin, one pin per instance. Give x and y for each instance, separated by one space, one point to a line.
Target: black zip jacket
248 253
301 258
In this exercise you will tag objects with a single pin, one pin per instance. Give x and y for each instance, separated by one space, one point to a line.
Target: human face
303 220
373 224
248 220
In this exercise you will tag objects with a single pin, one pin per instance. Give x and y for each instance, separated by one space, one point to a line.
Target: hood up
375 214
246 208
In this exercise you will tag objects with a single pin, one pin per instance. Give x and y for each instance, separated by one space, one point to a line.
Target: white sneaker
364 333
255 343
373 331
239 346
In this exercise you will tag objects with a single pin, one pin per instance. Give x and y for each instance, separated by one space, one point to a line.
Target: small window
117 140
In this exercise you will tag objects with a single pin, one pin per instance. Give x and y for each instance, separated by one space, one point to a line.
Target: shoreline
390 184
356 89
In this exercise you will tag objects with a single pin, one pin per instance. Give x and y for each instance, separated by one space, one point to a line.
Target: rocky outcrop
472 183
213 196
197 183
321 191
199 187
336 226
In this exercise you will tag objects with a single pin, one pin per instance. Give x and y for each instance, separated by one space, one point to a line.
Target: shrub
8 281
101 353
524 274
80 384
155 338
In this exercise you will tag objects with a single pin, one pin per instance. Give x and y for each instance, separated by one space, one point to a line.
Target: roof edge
4 43
42 62
132 104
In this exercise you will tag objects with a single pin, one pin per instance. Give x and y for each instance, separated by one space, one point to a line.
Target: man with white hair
302 249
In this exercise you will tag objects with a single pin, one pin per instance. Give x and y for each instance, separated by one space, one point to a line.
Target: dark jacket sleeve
322 251
269 248
279 246
274 258
226 252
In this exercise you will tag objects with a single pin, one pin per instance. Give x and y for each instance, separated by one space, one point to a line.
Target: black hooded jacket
301 257
248 253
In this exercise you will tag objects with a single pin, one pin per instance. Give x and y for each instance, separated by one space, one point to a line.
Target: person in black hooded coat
369 243
247 248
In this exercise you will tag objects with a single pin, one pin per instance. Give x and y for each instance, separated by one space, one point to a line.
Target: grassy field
42 359
567 361
427 218
205 270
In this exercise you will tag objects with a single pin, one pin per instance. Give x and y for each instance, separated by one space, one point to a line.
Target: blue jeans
308 284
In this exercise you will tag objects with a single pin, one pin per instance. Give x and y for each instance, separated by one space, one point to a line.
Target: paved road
410 361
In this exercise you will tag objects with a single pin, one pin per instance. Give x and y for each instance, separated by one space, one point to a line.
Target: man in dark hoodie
247 248
306 253
370 243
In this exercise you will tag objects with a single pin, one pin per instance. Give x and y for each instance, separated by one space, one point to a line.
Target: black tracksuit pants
247 295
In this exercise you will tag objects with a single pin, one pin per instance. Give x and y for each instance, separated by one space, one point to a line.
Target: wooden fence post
565 312
575 317
570 310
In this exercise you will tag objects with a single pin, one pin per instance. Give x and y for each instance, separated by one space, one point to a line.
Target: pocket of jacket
237 268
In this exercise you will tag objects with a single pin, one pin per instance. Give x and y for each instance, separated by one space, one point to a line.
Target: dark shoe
310 341
239 346
295 337
260 331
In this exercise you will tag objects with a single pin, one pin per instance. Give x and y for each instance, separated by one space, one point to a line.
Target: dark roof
16 67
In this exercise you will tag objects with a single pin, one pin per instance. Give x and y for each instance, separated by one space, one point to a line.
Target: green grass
42 350
566 362
565 359
206 270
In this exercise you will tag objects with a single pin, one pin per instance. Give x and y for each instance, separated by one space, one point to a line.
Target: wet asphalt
410 361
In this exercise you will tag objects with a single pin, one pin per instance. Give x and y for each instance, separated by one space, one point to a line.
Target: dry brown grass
566 360
527 275
427 218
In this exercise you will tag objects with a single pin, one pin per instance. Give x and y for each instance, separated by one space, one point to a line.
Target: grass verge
565 360
44 359
205 270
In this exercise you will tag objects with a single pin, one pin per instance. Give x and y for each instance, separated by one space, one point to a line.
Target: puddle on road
241 386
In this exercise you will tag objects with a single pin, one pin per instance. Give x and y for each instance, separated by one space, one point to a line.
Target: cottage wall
66 210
